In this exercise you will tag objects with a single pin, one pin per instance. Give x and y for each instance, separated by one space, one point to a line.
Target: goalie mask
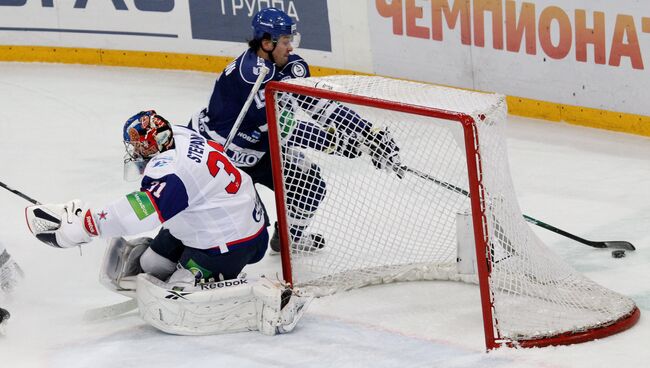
145 135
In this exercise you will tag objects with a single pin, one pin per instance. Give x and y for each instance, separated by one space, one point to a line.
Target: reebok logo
222 284
89 224
175 295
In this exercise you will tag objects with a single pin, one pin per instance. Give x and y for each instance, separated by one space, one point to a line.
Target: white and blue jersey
195 192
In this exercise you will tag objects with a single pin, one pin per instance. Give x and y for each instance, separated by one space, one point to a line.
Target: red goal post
504 245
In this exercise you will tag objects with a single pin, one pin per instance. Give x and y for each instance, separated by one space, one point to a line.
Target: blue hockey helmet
274 22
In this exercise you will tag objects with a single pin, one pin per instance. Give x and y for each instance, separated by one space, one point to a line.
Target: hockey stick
110 311
19 193
235 127
614 244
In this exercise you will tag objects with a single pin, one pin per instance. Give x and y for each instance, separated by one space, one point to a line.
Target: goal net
449 212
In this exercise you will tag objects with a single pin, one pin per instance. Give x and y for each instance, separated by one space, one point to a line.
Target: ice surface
60 128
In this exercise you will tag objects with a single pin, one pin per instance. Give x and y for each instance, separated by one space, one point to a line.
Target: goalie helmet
273 21
146 134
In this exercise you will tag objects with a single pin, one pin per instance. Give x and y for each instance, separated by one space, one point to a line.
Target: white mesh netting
381 228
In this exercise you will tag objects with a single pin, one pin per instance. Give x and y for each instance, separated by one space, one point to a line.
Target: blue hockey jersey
229 95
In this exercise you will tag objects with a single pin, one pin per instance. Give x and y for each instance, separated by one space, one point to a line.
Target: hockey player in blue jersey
213 224
274 38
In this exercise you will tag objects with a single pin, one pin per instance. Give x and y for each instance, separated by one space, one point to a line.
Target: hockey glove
384 152
62 225
343 144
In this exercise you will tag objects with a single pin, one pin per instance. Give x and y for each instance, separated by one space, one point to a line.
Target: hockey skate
307 243
10 273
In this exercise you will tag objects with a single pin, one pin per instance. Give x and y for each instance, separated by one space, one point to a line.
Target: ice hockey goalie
183 306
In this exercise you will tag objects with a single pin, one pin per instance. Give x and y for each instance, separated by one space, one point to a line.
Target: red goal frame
477 202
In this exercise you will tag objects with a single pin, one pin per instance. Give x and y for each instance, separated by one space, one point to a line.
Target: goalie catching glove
62 225
384 152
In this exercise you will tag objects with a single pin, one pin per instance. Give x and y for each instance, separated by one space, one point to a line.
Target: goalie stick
19 193
613 244
110 311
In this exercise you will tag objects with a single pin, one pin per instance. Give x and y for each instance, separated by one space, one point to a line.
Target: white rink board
207 27
550 72
354 35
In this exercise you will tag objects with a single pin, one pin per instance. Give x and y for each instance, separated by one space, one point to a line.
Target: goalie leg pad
121 264
220 307
215 308
279 308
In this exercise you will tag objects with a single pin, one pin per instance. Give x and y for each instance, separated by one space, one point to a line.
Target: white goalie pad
220 307
121 264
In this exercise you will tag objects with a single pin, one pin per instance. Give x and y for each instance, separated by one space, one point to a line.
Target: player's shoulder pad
162 164
250 65
296 67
